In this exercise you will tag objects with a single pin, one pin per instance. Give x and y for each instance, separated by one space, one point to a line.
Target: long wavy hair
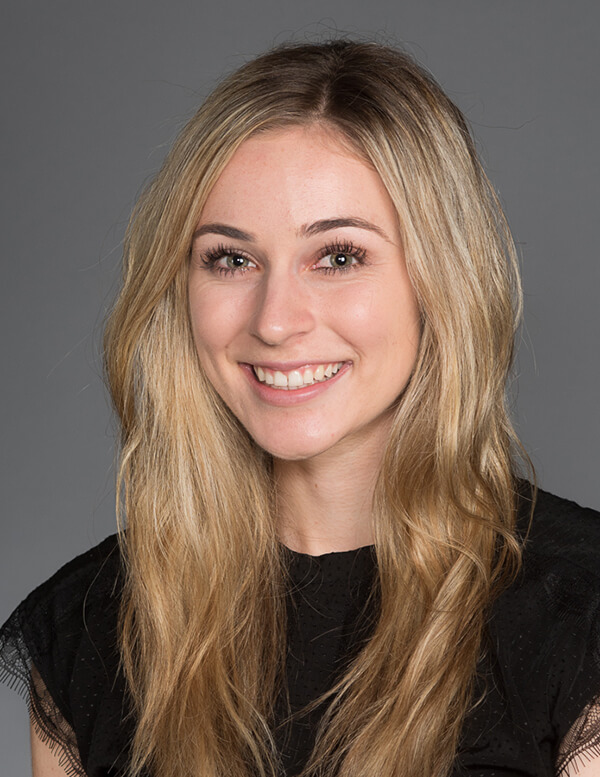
203 617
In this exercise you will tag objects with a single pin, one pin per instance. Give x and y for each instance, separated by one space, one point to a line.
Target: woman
328 563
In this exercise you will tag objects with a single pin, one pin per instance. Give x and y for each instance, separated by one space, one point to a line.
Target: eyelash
214 255
343 247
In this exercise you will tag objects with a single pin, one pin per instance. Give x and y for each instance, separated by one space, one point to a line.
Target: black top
541 673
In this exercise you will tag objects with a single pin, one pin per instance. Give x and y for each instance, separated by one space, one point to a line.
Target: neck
325 503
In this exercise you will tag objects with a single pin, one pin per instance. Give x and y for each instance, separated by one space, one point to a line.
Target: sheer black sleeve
580 700
582 742
59 650
566 559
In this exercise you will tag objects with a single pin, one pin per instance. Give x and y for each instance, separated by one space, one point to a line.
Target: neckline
336 555
346 568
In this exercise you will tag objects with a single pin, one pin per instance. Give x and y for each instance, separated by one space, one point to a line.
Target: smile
297 378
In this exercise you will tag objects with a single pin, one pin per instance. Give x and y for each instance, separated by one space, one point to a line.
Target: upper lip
295 365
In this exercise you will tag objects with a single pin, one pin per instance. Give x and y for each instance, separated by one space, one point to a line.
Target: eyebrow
325 225
225 230
306 230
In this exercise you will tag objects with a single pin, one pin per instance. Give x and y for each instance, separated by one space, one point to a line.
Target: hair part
203 613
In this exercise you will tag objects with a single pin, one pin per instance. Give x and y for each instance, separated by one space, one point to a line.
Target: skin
44 762
288 305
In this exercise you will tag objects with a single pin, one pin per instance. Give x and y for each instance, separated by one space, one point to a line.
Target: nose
283 309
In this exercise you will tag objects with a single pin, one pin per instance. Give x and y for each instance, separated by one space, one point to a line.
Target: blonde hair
203 613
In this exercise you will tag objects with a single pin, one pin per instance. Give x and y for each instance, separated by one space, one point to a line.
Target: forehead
299 174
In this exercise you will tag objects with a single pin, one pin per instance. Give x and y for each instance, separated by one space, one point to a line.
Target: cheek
216 318
351 309
383 319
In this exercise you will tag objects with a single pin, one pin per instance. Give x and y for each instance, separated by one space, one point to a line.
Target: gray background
94 93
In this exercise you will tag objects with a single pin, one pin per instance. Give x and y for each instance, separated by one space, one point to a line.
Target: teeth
297 378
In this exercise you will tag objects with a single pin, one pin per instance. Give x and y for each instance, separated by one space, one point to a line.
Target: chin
292 449
291 453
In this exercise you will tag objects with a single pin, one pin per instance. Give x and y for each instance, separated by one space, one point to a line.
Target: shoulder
541 668
63 623
90 580
559 578
546 625
100 560
561 551
561 531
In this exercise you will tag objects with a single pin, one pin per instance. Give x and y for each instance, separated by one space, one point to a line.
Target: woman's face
302 311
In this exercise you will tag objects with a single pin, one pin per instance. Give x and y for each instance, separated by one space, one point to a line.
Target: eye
340 258
235 261
227 261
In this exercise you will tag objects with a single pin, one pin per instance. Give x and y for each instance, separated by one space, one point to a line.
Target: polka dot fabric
539 676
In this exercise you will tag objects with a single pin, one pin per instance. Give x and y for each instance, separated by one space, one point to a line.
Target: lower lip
290 397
